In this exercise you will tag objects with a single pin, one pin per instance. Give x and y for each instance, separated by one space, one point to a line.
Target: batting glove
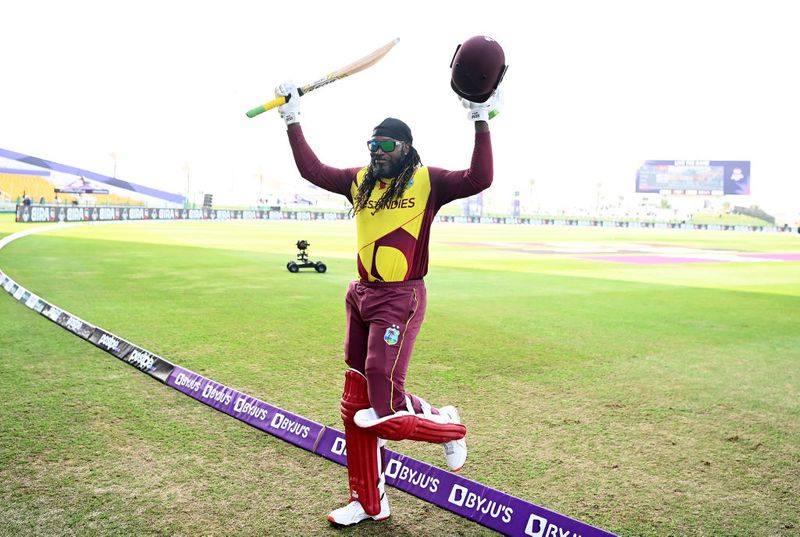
484 111
290 111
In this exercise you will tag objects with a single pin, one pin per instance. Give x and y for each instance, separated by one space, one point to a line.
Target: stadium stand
14 185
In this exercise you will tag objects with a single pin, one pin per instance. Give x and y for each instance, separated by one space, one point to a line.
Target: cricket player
394 201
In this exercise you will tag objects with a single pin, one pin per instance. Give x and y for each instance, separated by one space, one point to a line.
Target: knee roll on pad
355 396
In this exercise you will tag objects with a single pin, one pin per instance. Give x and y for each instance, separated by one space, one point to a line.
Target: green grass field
659 399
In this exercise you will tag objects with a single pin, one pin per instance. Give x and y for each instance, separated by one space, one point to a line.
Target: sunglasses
386 145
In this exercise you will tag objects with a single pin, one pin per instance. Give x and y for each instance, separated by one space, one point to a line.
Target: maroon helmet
478 66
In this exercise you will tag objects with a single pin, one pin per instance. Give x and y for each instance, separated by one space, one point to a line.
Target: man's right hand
290 112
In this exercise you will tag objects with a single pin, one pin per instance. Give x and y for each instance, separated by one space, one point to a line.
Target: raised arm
452 185
337 180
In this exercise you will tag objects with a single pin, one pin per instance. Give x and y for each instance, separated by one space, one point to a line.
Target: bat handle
274 103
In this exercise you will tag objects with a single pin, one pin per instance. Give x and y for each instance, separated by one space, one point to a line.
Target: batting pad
479 503
365 458
405 425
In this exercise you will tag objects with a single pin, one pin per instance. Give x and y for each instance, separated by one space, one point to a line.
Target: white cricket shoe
353 513
455 451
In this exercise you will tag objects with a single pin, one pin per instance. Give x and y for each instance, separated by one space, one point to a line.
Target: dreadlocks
395 190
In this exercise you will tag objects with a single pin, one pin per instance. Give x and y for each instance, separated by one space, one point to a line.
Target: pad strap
405 425
364 455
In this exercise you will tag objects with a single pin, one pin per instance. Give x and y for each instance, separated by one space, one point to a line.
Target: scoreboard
694 177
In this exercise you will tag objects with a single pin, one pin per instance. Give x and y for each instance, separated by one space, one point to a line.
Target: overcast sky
593 88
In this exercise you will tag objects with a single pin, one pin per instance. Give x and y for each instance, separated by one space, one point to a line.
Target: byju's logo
463 497
217 393
286 424
251 408
188 382
397 470
339 447
539 527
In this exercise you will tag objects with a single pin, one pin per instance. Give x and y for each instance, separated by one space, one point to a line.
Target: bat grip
274 103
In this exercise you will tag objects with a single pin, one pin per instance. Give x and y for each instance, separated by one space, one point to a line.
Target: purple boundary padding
469 499
285 425
472 500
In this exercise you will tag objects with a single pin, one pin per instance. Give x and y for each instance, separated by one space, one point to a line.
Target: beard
385 169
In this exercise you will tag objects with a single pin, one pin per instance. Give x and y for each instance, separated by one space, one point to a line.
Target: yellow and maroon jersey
393 243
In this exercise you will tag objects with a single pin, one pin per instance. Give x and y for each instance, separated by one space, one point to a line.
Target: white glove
484 111
290 111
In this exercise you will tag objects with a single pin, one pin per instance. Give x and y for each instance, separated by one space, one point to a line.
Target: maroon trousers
383 320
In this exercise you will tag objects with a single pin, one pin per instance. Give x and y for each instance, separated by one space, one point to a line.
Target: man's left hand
484 111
